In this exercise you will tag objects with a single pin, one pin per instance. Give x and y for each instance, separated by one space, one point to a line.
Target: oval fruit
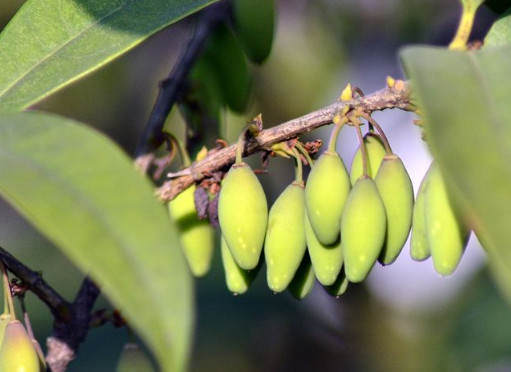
363 227
243 215
327 189
396 191
446 235
197 236
134 359
419 246
304 279
254 26
375 154
326 259
339 287
237 280
16 352
285 239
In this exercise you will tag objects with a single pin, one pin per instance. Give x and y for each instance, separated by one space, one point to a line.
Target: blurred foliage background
405 317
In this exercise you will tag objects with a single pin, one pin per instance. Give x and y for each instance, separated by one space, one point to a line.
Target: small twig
58 306
170 88
394 97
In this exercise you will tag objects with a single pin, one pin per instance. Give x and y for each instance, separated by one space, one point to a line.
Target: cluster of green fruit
333 228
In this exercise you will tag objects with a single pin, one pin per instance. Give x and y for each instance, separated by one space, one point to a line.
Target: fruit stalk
375 124
7 291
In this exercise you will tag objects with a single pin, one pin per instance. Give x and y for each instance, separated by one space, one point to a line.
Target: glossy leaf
500 31
464 98
50 43
81 191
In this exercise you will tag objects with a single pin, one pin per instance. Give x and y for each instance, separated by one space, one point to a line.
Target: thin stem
241 143
375 124
363 149
462 36
298 166
305 153
332 142
183 154
7 291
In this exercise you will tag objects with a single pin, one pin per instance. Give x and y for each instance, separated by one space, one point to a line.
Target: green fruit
243 215
134 359
396 190
17 353
253 24
339 287
446 235
285 239
237 280
326 259
304 279
375 153
326 191
197 240
363 227
419 246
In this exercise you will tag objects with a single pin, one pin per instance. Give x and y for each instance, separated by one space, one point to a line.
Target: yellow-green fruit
253 24
197 240
285 239
339 287
304 279
419 246
4 320
375 153
237 280
16 352
363 227
326 191
446 236
134 359
243 215
396 190
326 259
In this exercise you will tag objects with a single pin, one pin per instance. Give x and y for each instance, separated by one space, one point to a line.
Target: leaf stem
460 40
7 291
298 166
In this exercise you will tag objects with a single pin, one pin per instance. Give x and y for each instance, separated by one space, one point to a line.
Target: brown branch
394 97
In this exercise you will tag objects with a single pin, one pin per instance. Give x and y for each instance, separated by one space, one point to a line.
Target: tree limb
390 97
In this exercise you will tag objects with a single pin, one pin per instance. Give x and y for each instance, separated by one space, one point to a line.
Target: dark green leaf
84 194
49 44
465 101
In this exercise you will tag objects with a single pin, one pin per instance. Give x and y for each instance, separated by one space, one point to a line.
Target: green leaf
50 43
464 98
84 194
500 31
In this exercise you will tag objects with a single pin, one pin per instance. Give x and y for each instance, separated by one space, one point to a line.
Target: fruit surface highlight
285 239
396 191
363 227
237 280
243 215
197 236
16 352
327 188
